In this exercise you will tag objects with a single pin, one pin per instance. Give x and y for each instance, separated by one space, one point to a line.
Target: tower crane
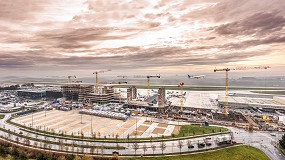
97 78
122 76
227 80
180 85
69 78
120 89
148 85
120 82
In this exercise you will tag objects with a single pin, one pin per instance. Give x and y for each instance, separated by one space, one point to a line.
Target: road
262 140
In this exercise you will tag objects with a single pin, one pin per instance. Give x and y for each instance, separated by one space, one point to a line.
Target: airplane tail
189 76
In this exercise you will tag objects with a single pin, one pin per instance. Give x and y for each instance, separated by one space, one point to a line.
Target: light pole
136 126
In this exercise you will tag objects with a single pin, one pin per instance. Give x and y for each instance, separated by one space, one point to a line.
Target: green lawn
234 153
2 116
190 130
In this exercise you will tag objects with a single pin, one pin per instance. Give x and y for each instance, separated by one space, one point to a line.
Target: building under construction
264 102
156 102
87 94
131 93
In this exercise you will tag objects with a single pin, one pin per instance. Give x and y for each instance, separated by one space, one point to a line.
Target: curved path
171 147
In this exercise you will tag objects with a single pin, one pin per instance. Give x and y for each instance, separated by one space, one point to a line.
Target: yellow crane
227 80
180 85
120 82
97 78
120 90
148 85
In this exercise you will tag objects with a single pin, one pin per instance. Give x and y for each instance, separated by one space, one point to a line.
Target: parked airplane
197 77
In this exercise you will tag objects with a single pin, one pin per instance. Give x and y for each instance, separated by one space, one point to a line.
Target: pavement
259 139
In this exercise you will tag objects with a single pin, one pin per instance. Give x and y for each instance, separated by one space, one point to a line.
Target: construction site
123 101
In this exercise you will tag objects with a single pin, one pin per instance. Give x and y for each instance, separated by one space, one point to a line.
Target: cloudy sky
66 37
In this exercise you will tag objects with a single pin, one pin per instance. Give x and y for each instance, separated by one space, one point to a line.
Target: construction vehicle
227 80
97 79
148 85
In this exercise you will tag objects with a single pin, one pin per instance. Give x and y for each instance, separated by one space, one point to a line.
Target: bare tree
172 145
144 148
180 145
188 144
153 147
135 147
162 146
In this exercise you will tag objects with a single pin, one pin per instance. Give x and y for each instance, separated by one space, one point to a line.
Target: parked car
190 146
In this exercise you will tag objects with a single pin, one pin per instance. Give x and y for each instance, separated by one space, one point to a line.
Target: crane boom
148 85
69 78
97 78
227 80
120 90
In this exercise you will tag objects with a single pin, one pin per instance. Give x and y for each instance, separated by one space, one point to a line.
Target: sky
41 38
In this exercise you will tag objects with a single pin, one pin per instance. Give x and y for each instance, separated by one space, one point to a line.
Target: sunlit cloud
146 36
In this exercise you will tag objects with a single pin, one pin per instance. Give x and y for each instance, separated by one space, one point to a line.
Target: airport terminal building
260 101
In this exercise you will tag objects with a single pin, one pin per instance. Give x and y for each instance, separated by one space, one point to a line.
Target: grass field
191 130
2 116
234 153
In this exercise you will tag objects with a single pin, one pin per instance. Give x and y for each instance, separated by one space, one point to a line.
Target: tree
153 147
62 157
180 145
135 147
15 152
23 156
77 158
188 144
282 141
87 157
144 148
70 157
162 146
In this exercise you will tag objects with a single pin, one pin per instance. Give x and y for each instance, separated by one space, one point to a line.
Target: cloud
131 34
15 10
261 23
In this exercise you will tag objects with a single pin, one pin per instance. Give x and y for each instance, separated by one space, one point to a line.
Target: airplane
197 77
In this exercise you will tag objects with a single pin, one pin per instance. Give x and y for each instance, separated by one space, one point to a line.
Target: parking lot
69 122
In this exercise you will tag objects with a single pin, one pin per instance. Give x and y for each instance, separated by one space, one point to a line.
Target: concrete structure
76 92
279 99
245 102
54 94
106 96
32 94
161 97
131 93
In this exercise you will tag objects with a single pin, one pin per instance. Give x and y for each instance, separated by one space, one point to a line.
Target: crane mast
180 85
148 85
69 78
226 104
97 79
